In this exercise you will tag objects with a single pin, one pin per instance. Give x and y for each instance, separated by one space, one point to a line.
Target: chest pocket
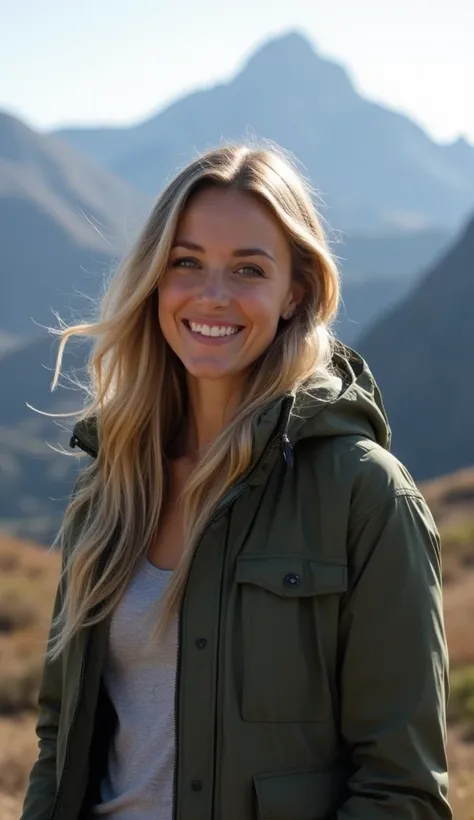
289 613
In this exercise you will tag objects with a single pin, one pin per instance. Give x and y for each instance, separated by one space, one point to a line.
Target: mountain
375 168
63 222
421 354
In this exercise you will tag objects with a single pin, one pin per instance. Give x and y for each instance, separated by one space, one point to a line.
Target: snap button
201 643
196 785
292 580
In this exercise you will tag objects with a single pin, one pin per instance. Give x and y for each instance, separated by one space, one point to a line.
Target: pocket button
292 580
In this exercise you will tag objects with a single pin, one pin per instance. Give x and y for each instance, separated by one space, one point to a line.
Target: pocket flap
310 795
291 576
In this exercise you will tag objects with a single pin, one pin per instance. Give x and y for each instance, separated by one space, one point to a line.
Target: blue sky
118 61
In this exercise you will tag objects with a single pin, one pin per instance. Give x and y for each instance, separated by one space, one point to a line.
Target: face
227 285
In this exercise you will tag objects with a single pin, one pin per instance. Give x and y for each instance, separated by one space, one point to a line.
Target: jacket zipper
232 497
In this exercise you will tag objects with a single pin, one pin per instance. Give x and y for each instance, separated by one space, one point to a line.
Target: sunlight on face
227 285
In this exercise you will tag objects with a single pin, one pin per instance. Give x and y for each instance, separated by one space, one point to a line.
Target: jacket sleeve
393 666
41 791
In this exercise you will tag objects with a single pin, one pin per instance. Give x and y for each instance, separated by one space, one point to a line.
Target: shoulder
359 472
369 506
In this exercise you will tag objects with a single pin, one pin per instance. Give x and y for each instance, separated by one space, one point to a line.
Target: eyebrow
240 252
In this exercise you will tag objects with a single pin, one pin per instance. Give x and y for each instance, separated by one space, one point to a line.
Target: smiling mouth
213 331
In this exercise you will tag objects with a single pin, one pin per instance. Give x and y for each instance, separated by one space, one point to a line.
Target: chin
210 370
209 373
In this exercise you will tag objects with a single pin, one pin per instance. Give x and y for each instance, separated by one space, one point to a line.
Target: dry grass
451 500
461 762
459 617
451 496
28 577
17 752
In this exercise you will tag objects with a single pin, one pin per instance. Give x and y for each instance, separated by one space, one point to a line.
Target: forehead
226 216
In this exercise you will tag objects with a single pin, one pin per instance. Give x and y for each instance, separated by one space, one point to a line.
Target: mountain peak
292 44
292 51
289 61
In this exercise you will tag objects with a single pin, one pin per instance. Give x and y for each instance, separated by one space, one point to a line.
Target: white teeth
215 330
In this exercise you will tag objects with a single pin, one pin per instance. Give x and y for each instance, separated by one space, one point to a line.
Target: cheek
263 308
170 292
166 312
170 298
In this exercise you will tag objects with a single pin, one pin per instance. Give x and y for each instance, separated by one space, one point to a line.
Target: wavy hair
137 389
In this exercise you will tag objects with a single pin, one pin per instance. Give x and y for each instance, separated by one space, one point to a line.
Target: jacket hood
347 402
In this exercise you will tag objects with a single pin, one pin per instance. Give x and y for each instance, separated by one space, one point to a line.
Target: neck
212 404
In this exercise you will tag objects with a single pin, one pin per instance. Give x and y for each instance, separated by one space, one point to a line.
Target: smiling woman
249 618
220 309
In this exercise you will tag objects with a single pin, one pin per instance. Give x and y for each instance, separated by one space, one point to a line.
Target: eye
184 262
251 270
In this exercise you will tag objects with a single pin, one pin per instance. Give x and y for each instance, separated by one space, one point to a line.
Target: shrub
19 681
16 611
461 702
456 537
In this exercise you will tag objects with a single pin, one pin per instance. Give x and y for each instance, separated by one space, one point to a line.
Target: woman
249 620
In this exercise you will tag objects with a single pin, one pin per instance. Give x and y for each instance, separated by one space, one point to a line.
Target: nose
214 291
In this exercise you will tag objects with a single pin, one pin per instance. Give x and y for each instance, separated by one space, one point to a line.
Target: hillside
63 222
376 168
421 355
28 577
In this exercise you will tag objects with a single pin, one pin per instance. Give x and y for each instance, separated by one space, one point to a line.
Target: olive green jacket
312 671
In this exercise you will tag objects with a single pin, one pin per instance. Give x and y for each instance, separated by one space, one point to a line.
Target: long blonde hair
138 390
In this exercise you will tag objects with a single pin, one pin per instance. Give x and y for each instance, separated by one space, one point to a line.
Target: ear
293 300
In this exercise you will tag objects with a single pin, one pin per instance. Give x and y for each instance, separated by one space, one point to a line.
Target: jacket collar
270 428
